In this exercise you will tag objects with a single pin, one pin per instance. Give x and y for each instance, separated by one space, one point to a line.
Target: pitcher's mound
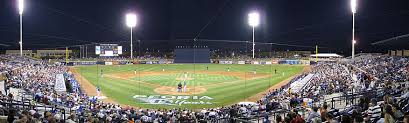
172 90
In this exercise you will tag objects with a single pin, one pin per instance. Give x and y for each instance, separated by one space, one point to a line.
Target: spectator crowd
384 74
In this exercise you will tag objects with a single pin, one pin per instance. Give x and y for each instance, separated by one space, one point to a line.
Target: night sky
168 23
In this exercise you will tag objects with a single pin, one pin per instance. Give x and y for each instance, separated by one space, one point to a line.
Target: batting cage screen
190 55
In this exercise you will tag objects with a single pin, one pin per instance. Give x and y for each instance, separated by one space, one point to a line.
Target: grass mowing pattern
231 90
200 79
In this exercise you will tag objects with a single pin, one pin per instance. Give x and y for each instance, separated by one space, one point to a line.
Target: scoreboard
108 50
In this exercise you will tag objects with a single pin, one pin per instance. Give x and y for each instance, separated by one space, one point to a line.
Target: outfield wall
213 61
262 62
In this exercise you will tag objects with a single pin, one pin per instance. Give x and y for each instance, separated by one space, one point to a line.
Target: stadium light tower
353 10
20 12
254 20
131 22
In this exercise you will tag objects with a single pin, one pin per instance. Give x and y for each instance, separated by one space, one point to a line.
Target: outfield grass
200 79
229 89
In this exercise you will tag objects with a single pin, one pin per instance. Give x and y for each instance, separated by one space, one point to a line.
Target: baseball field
203 85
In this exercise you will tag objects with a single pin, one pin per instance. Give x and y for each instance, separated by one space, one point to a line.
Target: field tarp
2 87
59 85
299 84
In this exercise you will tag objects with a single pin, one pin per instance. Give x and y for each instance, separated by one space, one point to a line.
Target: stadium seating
365 87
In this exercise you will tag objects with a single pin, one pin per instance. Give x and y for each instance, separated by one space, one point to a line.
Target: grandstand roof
325 55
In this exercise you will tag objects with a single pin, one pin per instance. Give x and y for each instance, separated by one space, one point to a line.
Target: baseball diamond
222 84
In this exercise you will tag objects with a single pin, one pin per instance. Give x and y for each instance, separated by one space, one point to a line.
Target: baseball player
184 83
184 86
180 87
98 92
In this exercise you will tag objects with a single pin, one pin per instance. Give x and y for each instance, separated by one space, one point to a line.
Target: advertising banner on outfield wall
115 62
108 63
169 62
123 62
86 63
269 62
221 62
292 62
255 62
225 62
275 61
241 62
101 62
305 62
162 62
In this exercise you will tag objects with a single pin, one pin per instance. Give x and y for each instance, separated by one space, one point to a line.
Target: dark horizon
164 24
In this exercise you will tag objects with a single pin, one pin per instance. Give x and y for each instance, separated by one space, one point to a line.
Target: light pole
131 22
20 12
254 20
353 10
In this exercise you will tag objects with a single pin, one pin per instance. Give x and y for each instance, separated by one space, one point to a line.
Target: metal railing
26 105
349 98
